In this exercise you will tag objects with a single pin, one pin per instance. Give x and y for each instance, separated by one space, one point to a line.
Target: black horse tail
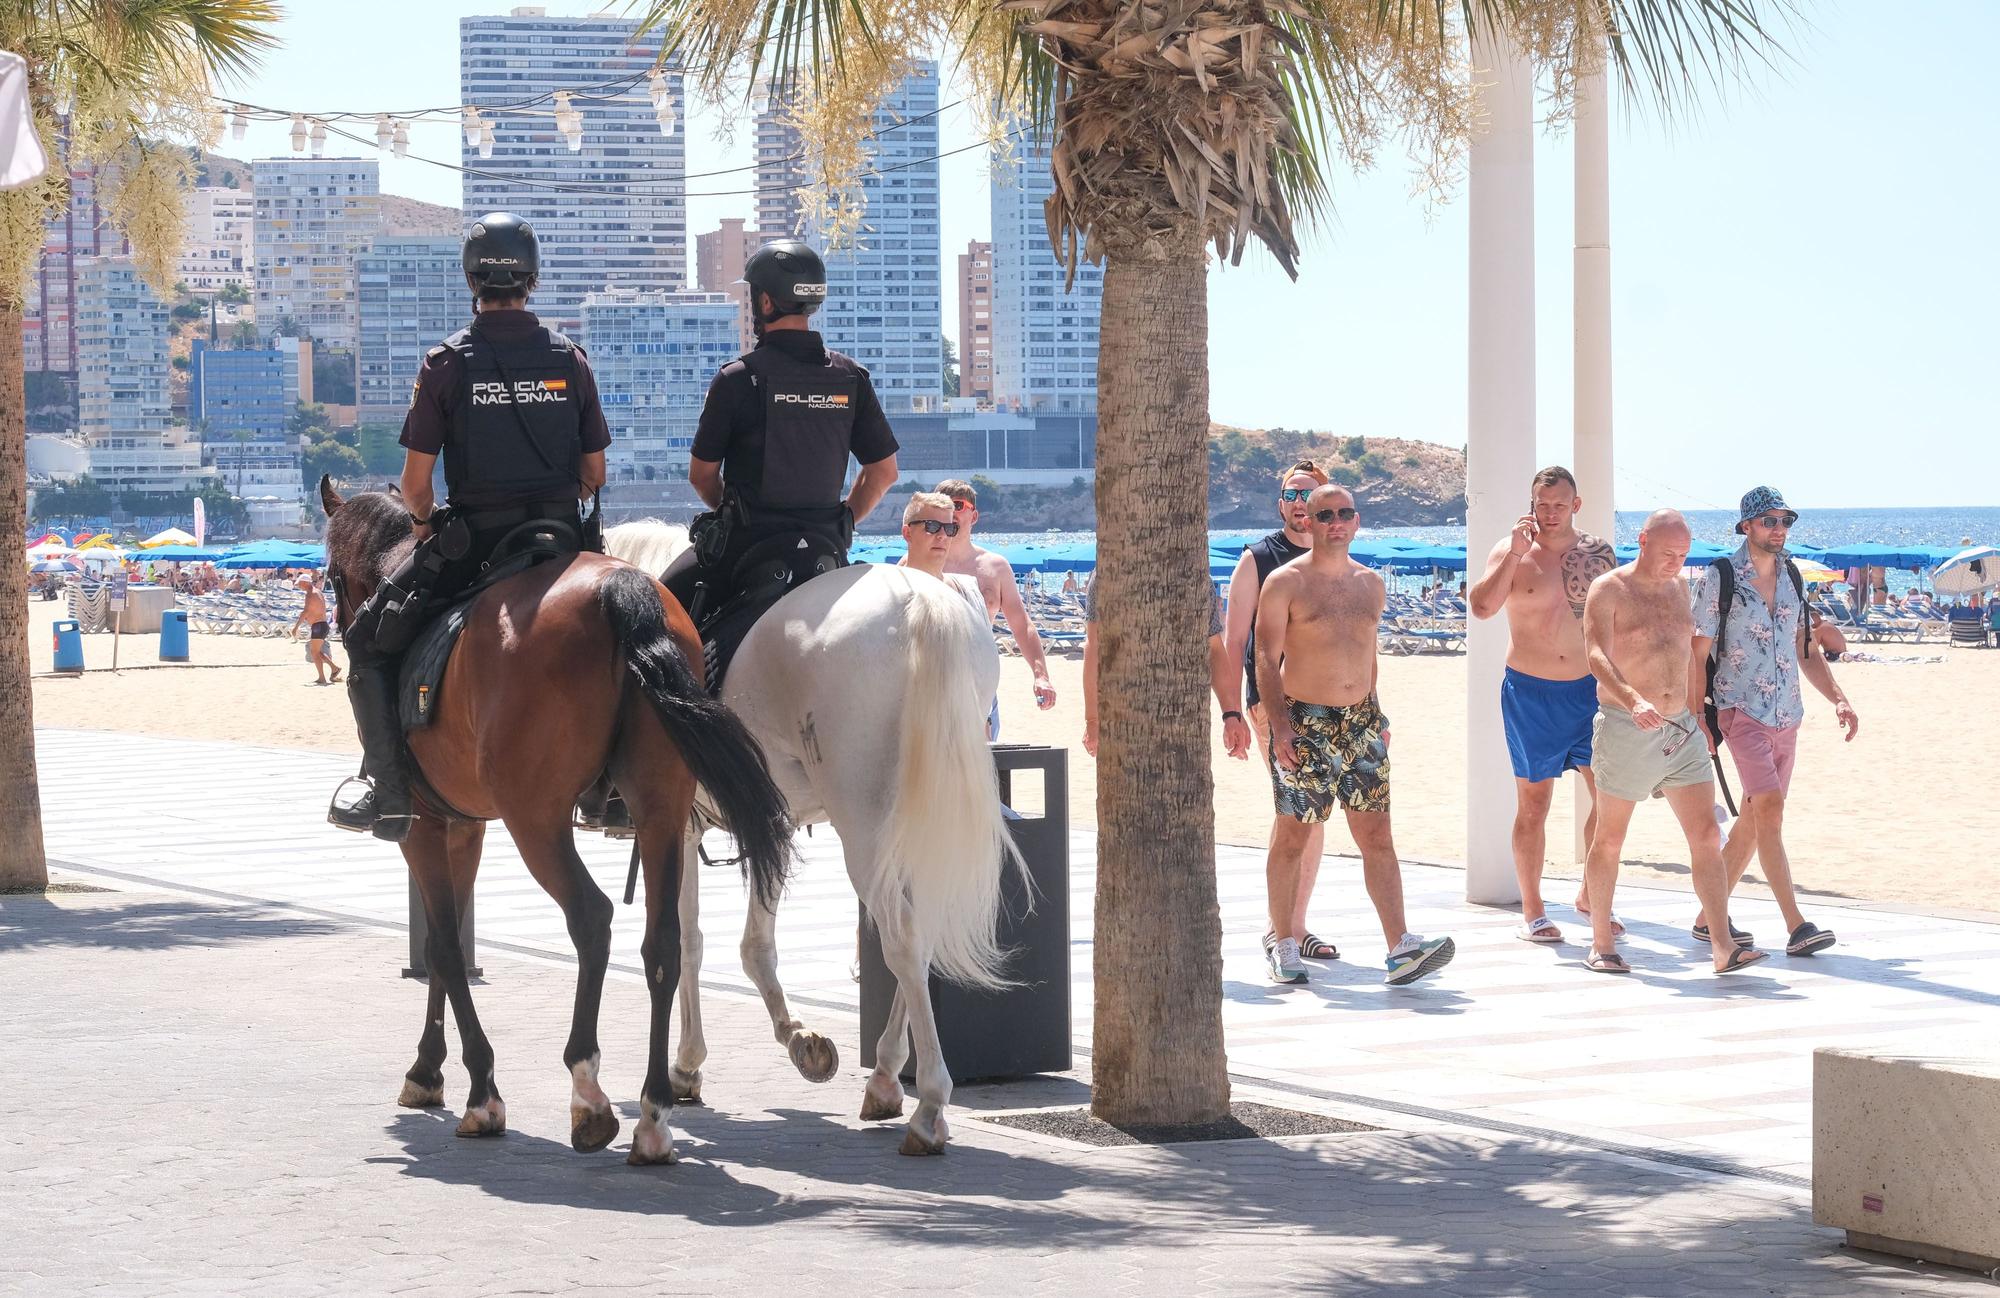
718 748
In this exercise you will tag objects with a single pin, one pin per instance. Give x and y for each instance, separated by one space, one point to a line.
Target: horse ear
329 499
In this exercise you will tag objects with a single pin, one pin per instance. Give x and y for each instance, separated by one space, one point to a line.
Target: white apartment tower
412 296
219 250
313 216
653 355
610 214
1044 339
121 345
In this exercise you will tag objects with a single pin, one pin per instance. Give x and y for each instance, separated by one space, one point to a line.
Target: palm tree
121 84
1175 127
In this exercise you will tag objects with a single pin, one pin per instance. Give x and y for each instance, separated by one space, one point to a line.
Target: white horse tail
945 839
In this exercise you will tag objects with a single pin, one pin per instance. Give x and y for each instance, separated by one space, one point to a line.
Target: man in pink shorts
1758 643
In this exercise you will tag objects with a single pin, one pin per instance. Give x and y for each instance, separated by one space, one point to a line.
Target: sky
1804 272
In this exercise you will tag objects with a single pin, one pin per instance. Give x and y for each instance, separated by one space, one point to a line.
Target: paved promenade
212 1053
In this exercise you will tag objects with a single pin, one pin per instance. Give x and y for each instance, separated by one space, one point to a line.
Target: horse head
367 535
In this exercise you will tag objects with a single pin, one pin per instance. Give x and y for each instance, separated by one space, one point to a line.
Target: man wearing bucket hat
1751 629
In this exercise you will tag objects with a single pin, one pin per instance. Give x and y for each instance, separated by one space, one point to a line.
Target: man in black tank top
1260 559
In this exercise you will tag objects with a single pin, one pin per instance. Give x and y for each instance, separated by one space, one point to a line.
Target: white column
1591 454
1500 427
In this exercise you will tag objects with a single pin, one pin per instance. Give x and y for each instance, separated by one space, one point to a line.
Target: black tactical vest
809 413
517 436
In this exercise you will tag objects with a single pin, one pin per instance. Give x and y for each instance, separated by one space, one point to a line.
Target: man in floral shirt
1757 697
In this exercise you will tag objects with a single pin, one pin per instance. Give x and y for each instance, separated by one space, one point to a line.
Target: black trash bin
1021 1029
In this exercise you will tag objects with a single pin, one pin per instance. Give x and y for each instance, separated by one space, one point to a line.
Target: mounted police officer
770 453
512 407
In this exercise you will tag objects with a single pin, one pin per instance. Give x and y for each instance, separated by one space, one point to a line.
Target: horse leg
549 848
427 850
423 1085
684 1074
814 1055
661 809
906 959
883 1099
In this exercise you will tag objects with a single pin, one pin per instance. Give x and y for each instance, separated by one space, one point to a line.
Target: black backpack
1725 576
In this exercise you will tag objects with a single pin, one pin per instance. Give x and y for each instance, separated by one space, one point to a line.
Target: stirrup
613 819
353 806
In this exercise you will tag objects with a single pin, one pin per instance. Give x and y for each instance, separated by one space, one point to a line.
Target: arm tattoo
1583 563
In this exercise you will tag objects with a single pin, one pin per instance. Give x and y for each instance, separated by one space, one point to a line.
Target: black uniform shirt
434 404
732 421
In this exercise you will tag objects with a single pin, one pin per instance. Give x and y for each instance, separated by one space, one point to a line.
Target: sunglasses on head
1346 514
1778 520
932 527
960 506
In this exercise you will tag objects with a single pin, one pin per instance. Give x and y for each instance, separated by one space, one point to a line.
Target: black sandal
1609 962
1742 958
1317 948
1808 939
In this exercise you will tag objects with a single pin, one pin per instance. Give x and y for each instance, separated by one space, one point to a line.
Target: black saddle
767 572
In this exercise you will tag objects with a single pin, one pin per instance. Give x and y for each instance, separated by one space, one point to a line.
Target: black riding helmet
501 254
791 273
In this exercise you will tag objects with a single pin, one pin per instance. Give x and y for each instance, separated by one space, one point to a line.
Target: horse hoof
916 1146
488 1119
421 1097
652 1143
882 1100
686 1087
593 1131
815 1056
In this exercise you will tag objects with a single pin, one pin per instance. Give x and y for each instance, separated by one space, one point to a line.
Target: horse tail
946 839
715 744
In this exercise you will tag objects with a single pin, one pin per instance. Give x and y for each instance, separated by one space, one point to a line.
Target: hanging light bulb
318 137
298 133
486 139
470 123
574 139
666 117
656 86
383 131
402 141
238 124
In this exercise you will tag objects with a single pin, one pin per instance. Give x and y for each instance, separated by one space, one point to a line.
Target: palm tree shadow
29 923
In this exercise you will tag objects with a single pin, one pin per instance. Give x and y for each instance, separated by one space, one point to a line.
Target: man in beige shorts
1639 633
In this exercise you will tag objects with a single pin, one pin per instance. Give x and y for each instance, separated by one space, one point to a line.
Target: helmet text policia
501 254
791 273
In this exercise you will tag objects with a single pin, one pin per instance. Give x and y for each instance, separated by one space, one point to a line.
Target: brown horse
563 672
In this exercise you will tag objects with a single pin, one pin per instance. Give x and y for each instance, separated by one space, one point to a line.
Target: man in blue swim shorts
1540 574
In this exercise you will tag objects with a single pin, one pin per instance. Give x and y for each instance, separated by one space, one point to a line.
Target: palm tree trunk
1158 1049
23 867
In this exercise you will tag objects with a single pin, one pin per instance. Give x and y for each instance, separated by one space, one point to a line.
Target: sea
1978 525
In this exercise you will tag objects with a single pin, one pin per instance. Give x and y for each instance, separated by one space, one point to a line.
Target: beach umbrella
1968 572
1818 574
172 536
180 554
47 549
51 565
1873 554
102 555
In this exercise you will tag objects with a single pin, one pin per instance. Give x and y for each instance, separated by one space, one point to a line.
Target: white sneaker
1415 958
1282 961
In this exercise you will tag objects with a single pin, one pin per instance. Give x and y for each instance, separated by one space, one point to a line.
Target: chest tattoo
1583 563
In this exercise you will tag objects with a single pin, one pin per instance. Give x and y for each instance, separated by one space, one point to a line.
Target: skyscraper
412 295
121 346
612 213
653 355
975 321
884 296
1044 340
218 251
313 216
718 265
780 168
48 315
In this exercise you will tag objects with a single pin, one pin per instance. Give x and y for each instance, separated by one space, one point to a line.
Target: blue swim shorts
1548 723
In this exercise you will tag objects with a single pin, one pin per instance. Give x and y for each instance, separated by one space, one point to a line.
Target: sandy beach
1880 819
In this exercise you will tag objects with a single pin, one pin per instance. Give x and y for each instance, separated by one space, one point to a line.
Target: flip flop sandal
1540 930
1808 939
1316 948
1617 925
1742 936
1606 963
1742 958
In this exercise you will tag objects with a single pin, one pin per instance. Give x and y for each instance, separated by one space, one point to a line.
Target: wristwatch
425 521
1232 712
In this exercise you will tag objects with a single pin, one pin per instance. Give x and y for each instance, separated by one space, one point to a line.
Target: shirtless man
929 528
313 616
996 584
1540 574
1639 633
1329 742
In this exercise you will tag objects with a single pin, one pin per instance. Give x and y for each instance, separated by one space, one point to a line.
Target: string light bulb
238 124
666 116
298 133
486 139
470 123
656 86
318 137
402 141
384 131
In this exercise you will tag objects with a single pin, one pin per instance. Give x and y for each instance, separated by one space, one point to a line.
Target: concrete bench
1906 1154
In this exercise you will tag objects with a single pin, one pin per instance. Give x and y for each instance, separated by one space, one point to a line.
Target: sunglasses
1346 514
932 527
1777 520
1679 741
960 506
1289 494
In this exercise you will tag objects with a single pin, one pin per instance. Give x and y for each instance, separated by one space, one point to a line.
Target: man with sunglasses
1317 619
995 577
1540 574
1259 560
1637 631
1759 707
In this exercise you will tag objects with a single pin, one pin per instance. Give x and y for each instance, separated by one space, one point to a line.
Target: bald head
1665 521
1331 493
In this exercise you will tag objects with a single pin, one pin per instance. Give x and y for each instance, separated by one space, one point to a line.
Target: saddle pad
422 670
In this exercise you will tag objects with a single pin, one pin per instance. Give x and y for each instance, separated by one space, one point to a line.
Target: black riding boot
385 808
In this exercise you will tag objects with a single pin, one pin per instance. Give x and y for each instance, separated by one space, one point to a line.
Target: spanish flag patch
555 385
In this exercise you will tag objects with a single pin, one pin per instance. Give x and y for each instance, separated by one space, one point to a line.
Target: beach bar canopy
273 554
1873 554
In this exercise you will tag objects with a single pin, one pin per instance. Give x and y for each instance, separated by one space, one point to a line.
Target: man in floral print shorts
1757 697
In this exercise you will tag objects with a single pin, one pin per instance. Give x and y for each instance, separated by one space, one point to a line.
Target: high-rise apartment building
613 213
122 403
48 314
218 251
1044 339
780 172
975 321
412 295
249 391
884 296
313 216
718 266
653 355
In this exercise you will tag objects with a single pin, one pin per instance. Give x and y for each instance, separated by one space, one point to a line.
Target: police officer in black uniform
512 407
770 453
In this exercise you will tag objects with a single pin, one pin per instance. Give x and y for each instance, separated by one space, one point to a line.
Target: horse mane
648 544
367 537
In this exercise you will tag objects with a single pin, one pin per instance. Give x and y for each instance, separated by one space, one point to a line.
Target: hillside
410 216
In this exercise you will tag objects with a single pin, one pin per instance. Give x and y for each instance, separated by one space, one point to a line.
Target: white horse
868 689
